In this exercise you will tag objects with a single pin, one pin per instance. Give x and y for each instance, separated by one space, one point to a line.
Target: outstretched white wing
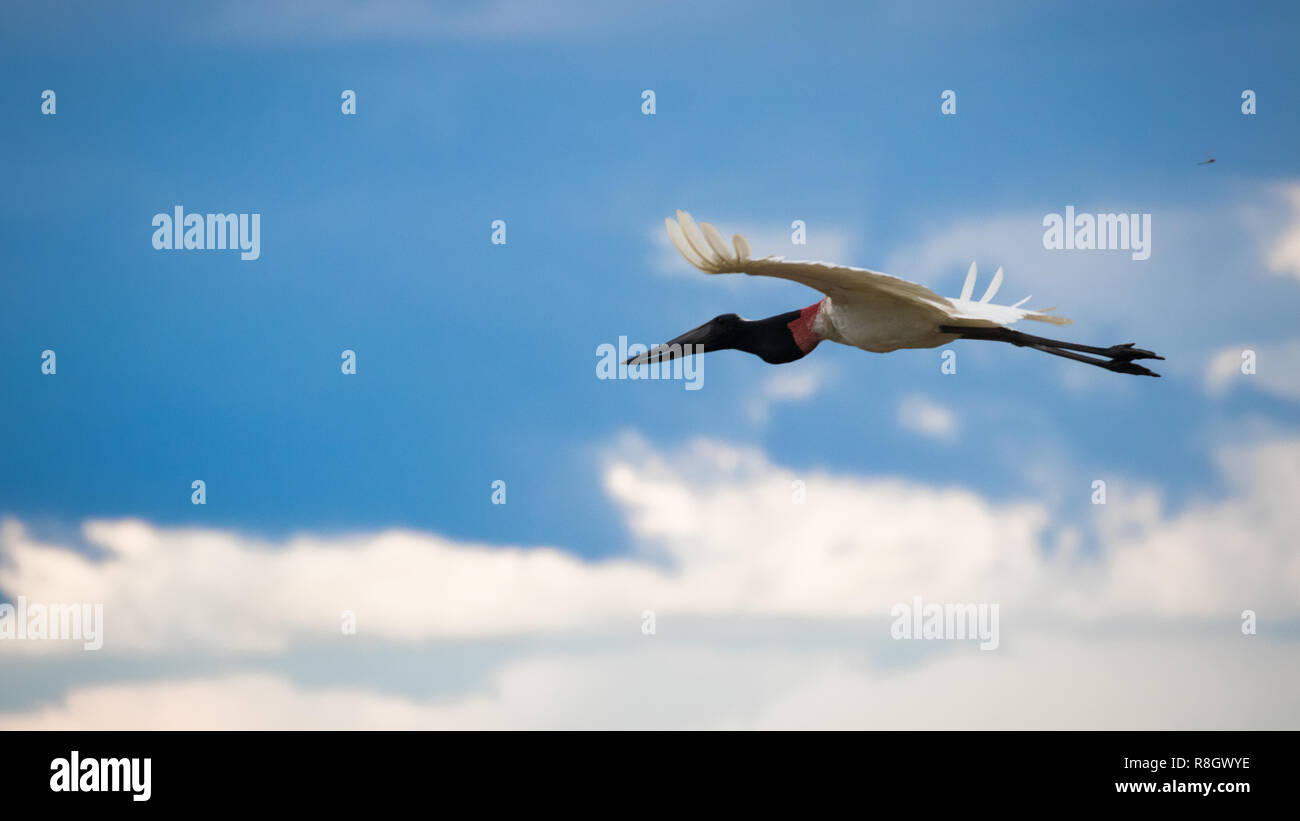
703 246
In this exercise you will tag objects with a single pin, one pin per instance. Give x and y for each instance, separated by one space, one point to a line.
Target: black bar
329 770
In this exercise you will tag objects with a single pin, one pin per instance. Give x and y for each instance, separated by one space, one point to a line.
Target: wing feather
692 233
968 288
716 241
703 246
742 247
833 280
993 286
683 247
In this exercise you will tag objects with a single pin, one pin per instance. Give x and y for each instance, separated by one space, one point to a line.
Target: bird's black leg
1125 351
1119 358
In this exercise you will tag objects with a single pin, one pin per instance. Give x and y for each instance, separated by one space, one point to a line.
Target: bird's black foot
1127 366
1127 353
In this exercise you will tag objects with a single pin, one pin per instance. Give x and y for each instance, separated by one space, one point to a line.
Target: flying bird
868 310
1208 159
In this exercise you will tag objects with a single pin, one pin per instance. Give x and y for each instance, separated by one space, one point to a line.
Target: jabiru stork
866 309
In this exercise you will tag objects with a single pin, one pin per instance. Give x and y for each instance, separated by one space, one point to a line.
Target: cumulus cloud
1277 369
920 415
173 588
1234 553
789 384
1284 255
1082 682
768 612
718 533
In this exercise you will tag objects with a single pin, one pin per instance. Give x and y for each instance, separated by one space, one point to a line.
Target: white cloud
1284 255
792 383
167 589
1218 556
1085 633
734 543
920 415
1080 682
1076 683
1223 366
1277 369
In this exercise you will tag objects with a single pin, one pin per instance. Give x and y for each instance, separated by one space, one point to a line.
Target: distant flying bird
1207 161
868 310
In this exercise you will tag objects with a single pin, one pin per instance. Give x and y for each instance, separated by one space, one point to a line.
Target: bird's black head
771 339
723 332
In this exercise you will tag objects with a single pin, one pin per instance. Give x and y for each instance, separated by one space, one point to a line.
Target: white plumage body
879 326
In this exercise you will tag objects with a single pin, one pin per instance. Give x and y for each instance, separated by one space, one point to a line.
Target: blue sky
476 361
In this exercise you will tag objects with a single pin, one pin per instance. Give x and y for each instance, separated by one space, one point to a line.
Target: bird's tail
985 310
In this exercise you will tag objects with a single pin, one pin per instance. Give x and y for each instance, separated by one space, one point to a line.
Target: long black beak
696 340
